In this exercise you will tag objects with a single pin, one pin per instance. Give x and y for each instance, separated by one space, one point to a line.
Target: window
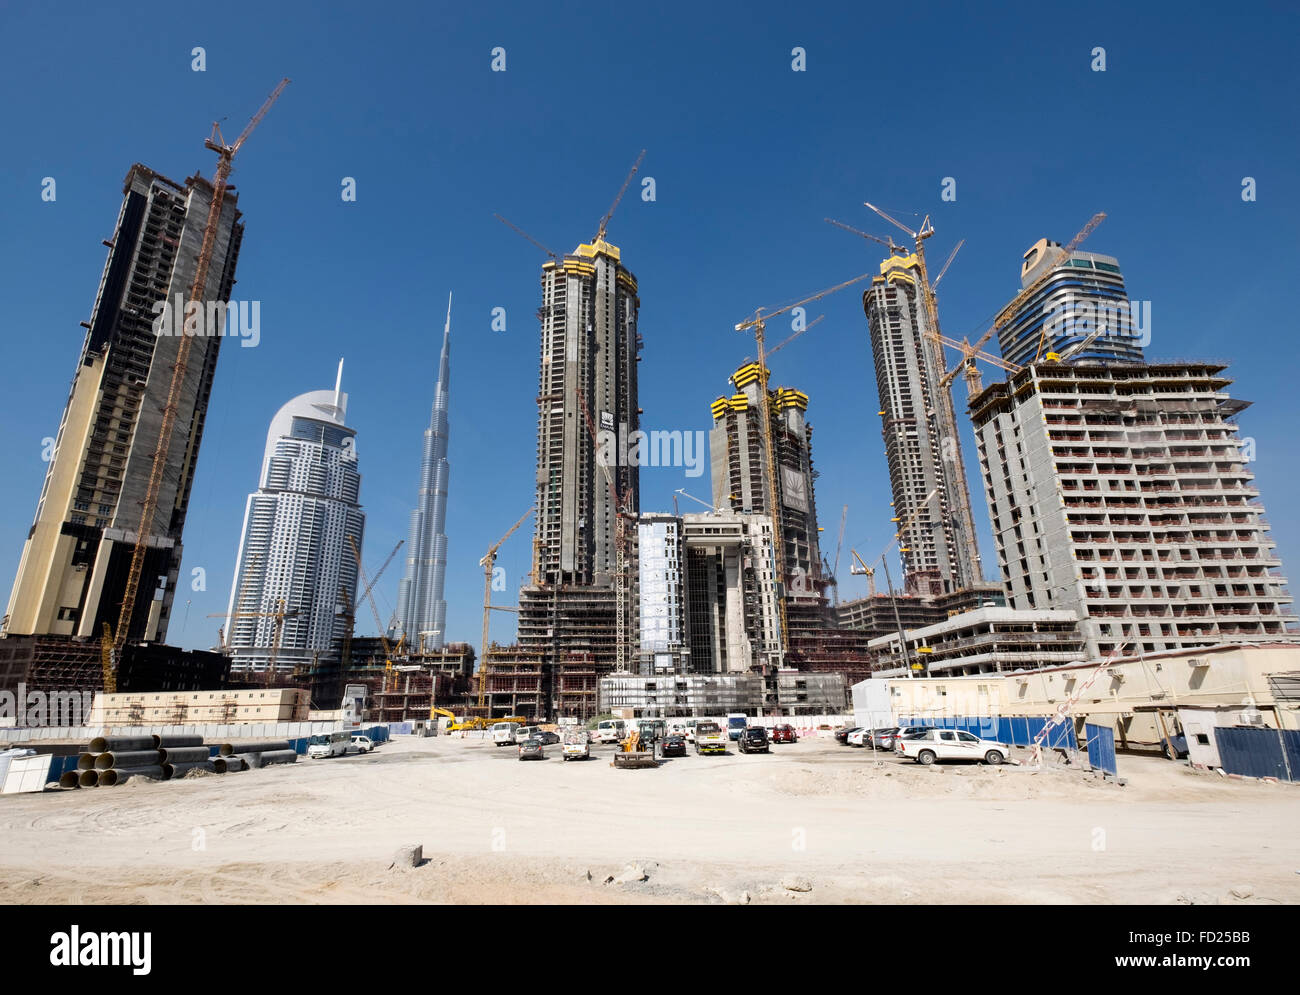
966 737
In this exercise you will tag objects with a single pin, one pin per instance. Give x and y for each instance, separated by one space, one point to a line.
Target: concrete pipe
88 779
128 758
180 770
86 761
183 754
72 779
250 761
116 775
232 749
105 744
279 757
161 742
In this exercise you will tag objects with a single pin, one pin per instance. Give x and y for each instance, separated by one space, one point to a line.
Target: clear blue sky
748 157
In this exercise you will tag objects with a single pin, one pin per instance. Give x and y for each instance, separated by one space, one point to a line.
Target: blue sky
747 156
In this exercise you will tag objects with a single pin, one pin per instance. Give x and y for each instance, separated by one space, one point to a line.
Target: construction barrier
1014 730
1100 742
1259 752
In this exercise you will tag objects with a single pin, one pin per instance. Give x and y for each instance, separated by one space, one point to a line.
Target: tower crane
839 547
225 156
682 492
943 402
487 563
758 324
790 338
279 615
604 222
861 569
389 669
510 224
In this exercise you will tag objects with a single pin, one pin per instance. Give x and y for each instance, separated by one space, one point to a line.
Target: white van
611 731
330 744
503 733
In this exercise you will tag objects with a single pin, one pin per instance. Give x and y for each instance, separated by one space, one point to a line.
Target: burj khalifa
421 608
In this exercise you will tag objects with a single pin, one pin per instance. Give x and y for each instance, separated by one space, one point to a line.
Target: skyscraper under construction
586 413
926 473
76 561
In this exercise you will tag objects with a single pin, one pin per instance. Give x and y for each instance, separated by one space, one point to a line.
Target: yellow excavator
473 722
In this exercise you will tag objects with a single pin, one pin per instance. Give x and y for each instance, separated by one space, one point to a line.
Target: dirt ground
736 829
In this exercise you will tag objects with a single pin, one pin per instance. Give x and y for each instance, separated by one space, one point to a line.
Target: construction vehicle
631 755
198 291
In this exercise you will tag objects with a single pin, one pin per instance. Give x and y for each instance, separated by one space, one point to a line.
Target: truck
709 737
610 731
736 723
574 740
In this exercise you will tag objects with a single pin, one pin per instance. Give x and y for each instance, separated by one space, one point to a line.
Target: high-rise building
737 448
589 352
296 557
939 551
1120 492
421 607
76 561
1084 295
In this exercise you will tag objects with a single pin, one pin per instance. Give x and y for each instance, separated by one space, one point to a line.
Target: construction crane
279 615
487 563
947 415
785 342
106 659
839 546
225 155
758 323
682 492
622 511
861 569
604 222
888 242
505 221
389 668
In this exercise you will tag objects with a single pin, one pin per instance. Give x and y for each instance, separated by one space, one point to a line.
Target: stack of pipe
259 754
113 760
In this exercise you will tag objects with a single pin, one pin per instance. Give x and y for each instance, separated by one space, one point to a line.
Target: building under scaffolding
58 663
415 683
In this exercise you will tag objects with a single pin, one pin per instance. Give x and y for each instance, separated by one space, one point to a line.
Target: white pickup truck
951 744
576 743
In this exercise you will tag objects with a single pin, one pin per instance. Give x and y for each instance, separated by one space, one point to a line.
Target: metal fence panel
1259 752
1100 741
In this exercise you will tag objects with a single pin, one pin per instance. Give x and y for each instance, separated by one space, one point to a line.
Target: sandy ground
702 829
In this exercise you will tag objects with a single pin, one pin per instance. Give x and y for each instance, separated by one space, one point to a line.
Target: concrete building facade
1120 493
940 553
983 641
76 560
295 552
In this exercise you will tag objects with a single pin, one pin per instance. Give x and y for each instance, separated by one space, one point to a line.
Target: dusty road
705 829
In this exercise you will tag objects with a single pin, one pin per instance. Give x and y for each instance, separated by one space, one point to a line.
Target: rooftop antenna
338 387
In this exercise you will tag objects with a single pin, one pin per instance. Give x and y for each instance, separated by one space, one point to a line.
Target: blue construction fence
377 734
1017 730
1259 752
1100 742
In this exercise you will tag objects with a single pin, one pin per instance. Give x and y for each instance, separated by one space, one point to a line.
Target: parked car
754 740
857 737
784 734
709 738
910 732
548 738
951 744
673 746
531 749
884 738
363 744
842 735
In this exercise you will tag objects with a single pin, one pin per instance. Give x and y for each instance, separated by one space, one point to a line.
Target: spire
338 386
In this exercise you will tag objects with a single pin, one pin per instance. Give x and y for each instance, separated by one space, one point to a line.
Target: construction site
1124 659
